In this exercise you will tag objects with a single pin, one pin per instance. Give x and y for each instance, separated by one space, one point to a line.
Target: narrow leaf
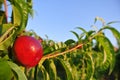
17 70
7 39
82 29
44 73
115 32
75 34
21 10
113 22
109 52
70 41
90 66
2 17
51 69
68 69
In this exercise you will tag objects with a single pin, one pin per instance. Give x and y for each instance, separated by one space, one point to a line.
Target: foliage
90 57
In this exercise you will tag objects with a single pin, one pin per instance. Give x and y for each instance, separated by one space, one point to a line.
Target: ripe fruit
27 51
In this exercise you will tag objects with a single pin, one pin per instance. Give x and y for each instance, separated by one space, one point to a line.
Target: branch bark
62 53
6 10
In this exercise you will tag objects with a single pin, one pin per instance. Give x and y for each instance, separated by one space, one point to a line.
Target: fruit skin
27 51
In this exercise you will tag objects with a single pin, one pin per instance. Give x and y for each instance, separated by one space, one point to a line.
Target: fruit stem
6 10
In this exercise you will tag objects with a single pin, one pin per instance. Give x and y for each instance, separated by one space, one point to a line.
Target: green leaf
29 2
8 37
87 34
30 5
5 71
90 33
108 50
4 28
1 2
68 69
51 69
90 66
75 34
17 70
44 73
84 31
115 32
98 58
2 17
47 50
68 42
113 22
17 14
21 10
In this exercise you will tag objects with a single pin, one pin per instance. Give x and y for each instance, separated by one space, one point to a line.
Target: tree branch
6 10
62 53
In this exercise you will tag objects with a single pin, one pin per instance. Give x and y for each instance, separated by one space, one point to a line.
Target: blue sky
56 18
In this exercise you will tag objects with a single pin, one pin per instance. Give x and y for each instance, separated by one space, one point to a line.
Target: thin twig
6 10
72 49
62 53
